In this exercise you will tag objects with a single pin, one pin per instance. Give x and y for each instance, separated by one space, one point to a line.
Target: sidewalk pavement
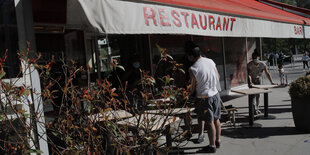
274 136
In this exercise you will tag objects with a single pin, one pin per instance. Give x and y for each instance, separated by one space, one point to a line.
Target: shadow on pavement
260 132
178 150
279 110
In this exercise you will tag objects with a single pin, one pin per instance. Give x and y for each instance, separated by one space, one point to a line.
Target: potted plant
300 97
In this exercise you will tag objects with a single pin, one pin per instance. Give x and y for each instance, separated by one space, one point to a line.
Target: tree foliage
81 121
290 2
287 45
298 3
303 3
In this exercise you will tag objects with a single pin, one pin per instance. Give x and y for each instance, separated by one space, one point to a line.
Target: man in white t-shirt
204 79
255 70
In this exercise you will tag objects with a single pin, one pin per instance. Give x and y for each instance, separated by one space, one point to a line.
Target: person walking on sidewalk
204 80
282 74
305 59
255 69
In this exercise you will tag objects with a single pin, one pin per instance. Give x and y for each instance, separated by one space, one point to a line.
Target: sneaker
256 112
188 135
217 144
201 138
209 149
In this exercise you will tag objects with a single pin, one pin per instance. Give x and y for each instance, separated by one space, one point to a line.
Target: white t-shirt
281 72
206 75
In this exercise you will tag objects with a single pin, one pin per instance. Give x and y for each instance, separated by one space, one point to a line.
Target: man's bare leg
218 129
201 134
202 127
211 133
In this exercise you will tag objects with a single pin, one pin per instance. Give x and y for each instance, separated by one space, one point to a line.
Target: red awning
247 8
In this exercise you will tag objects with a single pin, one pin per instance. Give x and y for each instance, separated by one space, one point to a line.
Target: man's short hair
255 54
192 49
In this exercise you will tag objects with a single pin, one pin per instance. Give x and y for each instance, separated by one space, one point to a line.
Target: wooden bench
184 113
110 115
160 103
230 111
154 123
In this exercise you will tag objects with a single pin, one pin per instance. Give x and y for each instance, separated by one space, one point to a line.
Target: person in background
305 59
276 58
255 69
204 81
132 74
281 74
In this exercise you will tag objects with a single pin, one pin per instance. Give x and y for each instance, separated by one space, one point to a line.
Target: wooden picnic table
180 112
172 111
110 115
164 100
161 102
254 91
154 123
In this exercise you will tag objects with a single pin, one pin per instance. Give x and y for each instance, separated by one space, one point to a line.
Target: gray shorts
209 108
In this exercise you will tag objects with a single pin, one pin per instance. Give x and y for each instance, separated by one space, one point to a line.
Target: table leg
266 105
168 136
187 122
108 146
251 111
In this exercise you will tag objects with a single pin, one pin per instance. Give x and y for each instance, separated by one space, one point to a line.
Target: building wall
9 37
230 54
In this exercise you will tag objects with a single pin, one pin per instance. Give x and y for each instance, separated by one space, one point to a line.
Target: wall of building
9 37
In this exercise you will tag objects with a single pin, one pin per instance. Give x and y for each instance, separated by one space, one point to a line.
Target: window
236 64
211 47
108 50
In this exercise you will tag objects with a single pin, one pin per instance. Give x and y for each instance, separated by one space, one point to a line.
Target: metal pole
251 110
265 104
224 62
151 54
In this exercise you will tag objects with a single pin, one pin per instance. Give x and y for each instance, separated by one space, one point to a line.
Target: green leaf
167 80
172 97
151 101
120 67
159 48
169 56
26 92
26 115
112 127
68 138
2 74
161 79
55 133
90 107
181 70
148 138
35 151
152 80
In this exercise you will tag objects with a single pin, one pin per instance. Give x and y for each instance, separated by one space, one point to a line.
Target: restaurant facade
92 32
